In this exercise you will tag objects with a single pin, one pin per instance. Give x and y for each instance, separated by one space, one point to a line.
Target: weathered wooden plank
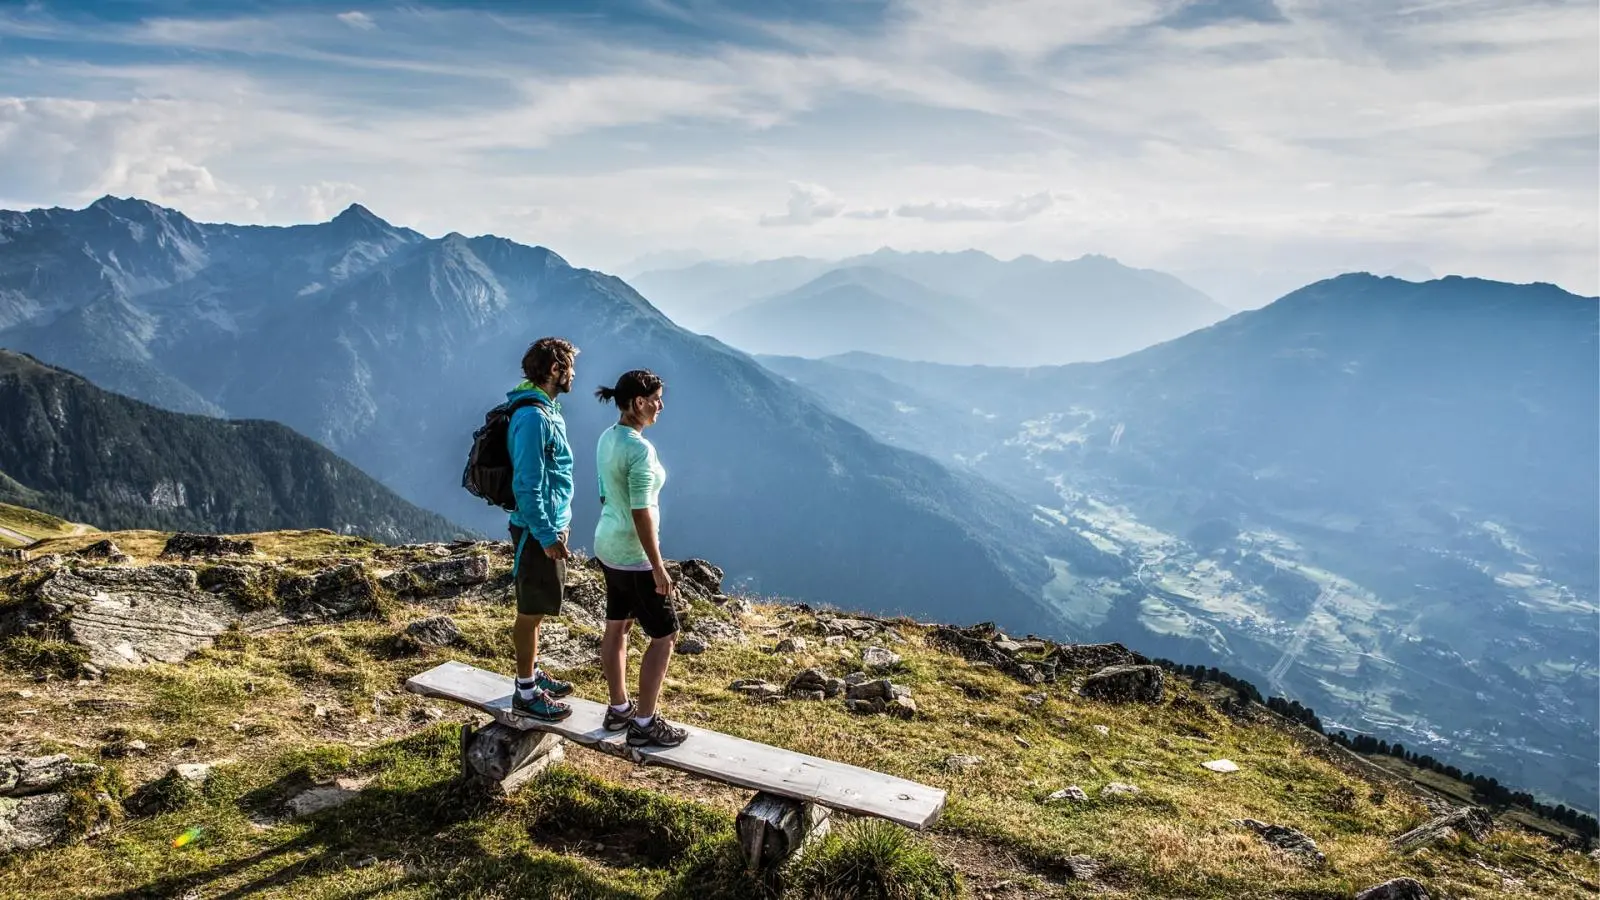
504 758
772 828
715 755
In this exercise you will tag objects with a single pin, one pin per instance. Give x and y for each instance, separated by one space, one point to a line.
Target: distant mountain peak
358 218
127 207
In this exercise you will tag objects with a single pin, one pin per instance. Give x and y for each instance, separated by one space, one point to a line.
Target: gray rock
833 640
1395 889
857 678
809 680
429 578
1287 839
878 689
791 645
833 687
1011 647
878 659
1092 657
808 695
24 776
184 546
332 593
1475 821
866 707
1033 647
104 549
1034 699
692 645
317 799
856 629
1126 684
755 687
1074 793
902 707
436 631
1120 789
29 823
961 762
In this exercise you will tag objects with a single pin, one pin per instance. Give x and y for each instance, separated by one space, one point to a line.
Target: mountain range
963 308
387 347
1374 495
94 456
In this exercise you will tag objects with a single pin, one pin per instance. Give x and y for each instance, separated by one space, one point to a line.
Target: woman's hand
663 580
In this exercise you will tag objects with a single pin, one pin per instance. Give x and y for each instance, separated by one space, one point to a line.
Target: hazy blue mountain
1375 495
1028 311
863 309
388 347
73 450
696 296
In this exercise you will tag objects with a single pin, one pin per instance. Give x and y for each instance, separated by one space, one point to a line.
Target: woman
627 543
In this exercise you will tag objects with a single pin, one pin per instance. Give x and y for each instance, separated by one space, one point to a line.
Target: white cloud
978 210
1356 134
357 19
807 204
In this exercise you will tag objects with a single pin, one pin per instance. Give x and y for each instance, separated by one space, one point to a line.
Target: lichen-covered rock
184 545
1289 840
792 644
1092 657
1120 789
438 576
691 645
1475 821
1126 684
435 631
1395 889
332 593
877 659
1073 794
102 549
23 776
28 823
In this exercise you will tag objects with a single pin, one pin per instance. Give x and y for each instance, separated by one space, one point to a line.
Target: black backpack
488 472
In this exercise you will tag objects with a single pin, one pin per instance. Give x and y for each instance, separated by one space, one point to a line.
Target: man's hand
558 550
663 581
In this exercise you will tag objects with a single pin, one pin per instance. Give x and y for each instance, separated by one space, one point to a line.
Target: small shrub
872 860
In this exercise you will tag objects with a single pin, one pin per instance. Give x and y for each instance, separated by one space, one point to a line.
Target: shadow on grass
431 821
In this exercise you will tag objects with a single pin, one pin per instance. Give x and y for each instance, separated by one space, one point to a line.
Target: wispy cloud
1301 135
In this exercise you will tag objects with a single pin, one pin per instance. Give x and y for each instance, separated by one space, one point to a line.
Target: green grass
583 829
872 860
30 523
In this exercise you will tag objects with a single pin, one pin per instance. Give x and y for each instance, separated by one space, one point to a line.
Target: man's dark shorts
632 595
541 582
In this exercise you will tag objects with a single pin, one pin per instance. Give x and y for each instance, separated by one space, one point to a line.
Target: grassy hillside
21 526
323 704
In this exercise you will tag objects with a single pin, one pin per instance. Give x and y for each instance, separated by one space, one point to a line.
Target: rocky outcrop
435 631
1289 840
438 576
1474 820
184 545
36 800
102 550
984 643
1092 657
1126 684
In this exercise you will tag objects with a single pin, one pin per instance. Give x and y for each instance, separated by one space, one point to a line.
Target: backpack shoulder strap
521 402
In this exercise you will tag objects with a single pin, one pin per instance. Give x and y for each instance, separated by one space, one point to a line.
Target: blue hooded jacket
541 462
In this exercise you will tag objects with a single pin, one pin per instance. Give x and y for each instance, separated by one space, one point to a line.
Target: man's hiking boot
555 687
659 732
540 706
616 721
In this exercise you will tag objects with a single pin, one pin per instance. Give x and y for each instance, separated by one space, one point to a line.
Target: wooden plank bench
796 791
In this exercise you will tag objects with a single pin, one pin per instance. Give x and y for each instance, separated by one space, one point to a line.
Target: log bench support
772 828
498 759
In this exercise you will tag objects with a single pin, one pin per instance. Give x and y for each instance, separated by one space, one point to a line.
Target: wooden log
773 828
502 759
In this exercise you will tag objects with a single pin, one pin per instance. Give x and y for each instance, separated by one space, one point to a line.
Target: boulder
1074 794
184 545
1395 889
833 687
866 707
1120 789
692 645
1475 821
435 631
29 823
103 549
179 787
1126 684
25 776
877 659
341 591
902 707
808 680
432 578
793 644
756 687
977 646
1093 657
878 689
1289 840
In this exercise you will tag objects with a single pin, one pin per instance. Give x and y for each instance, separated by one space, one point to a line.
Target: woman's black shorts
632 595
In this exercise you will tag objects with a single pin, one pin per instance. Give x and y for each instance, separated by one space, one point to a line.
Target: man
542 484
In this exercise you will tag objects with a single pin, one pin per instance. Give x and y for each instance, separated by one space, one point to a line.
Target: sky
1247 146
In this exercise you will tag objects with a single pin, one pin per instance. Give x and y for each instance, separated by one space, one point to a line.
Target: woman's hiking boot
659 732
551 685
540 706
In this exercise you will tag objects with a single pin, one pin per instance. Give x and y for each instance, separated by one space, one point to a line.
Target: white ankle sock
643 722
621 707
525 688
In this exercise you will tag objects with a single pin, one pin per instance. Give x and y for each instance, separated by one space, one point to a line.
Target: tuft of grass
41 657
566 806
871 859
